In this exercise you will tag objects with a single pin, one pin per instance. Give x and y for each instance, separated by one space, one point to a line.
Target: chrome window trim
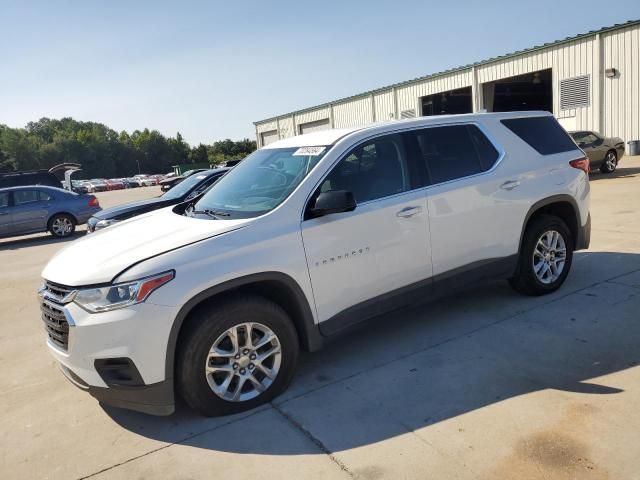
404 129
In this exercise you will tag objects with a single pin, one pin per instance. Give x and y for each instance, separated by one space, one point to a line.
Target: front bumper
139 335
155 399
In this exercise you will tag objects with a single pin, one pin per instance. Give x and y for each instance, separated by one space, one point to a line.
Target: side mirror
335 201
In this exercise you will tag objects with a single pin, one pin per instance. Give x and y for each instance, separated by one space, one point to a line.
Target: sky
210 69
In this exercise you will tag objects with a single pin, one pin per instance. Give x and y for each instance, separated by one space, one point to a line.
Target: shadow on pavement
621 172
16 243
425 365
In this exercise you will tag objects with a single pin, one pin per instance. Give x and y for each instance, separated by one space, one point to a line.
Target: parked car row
103 185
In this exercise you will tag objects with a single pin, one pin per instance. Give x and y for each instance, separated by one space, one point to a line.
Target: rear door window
454 151
22 197
544 134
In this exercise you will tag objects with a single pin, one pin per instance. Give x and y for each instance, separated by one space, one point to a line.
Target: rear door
6 225
29 212
380 248
470 201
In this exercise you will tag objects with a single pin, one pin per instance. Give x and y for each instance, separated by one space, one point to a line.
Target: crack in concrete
316 441
177 442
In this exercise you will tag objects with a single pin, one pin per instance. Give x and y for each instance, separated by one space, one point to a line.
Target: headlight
104 223
112 297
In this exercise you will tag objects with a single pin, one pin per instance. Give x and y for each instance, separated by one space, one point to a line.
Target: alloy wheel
62 226
549 257
243 362
611 161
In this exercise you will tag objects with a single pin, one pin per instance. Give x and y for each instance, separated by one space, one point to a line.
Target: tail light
581 164
93 201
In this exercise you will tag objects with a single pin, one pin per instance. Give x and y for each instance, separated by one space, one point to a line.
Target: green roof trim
580 36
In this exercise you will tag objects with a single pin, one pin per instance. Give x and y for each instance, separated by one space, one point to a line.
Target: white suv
305 238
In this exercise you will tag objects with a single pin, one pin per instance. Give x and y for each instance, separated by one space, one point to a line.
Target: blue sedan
38 208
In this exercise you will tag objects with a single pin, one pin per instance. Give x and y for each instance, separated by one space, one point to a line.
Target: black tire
62 225
525 280
205 326
610 162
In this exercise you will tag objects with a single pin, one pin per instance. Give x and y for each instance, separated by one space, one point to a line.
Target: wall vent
574 92
408 114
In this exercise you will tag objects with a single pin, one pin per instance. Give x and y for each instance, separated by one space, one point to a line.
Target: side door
587 142
368 261
29 212
600 148
6 225
474 223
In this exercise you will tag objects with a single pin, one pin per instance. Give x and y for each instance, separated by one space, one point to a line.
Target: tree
102 151
199 154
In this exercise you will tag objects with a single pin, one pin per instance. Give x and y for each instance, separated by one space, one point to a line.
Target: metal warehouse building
589 82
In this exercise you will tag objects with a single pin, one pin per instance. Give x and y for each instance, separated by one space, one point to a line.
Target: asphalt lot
484 385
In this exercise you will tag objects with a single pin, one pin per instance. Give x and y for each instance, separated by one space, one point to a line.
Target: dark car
189 188
603 152
33 177
39 208
168 183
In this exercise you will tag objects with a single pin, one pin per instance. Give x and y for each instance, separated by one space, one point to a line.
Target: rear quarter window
544 134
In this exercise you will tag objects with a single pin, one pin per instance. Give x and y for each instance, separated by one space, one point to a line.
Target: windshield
260 182
185 186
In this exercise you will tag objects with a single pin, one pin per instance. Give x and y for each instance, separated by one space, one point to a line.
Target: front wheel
235 355
545 256
610 162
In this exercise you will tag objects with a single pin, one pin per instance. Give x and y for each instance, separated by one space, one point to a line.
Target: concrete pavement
485 384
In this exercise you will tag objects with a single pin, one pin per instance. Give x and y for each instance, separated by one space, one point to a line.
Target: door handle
510 185
407 212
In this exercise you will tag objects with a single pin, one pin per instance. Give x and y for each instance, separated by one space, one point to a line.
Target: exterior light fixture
611 73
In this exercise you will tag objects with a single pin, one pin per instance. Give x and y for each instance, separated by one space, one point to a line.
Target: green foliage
104 153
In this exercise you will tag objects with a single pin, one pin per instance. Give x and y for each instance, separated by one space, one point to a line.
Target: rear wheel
62 225
545 256
610 162
236 355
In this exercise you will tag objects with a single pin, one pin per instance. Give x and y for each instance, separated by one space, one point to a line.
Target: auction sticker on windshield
308 151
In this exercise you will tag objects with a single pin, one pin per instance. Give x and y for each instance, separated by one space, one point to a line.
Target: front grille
54 296
59 291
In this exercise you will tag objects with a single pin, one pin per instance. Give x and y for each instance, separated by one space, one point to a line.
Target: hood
101 256
135 208
169 181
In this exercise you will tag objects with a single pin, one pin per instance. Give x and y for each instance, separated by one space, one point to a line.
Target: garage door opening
314 126
447 103
269 137
532 91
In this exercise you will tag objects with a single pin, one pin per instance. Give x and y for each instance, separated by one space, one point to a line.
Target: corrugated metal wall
622 94
384 103
353 113
614 107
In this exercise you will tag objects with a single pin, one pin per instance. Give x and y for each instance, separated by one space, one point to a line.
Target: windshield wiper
210 213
